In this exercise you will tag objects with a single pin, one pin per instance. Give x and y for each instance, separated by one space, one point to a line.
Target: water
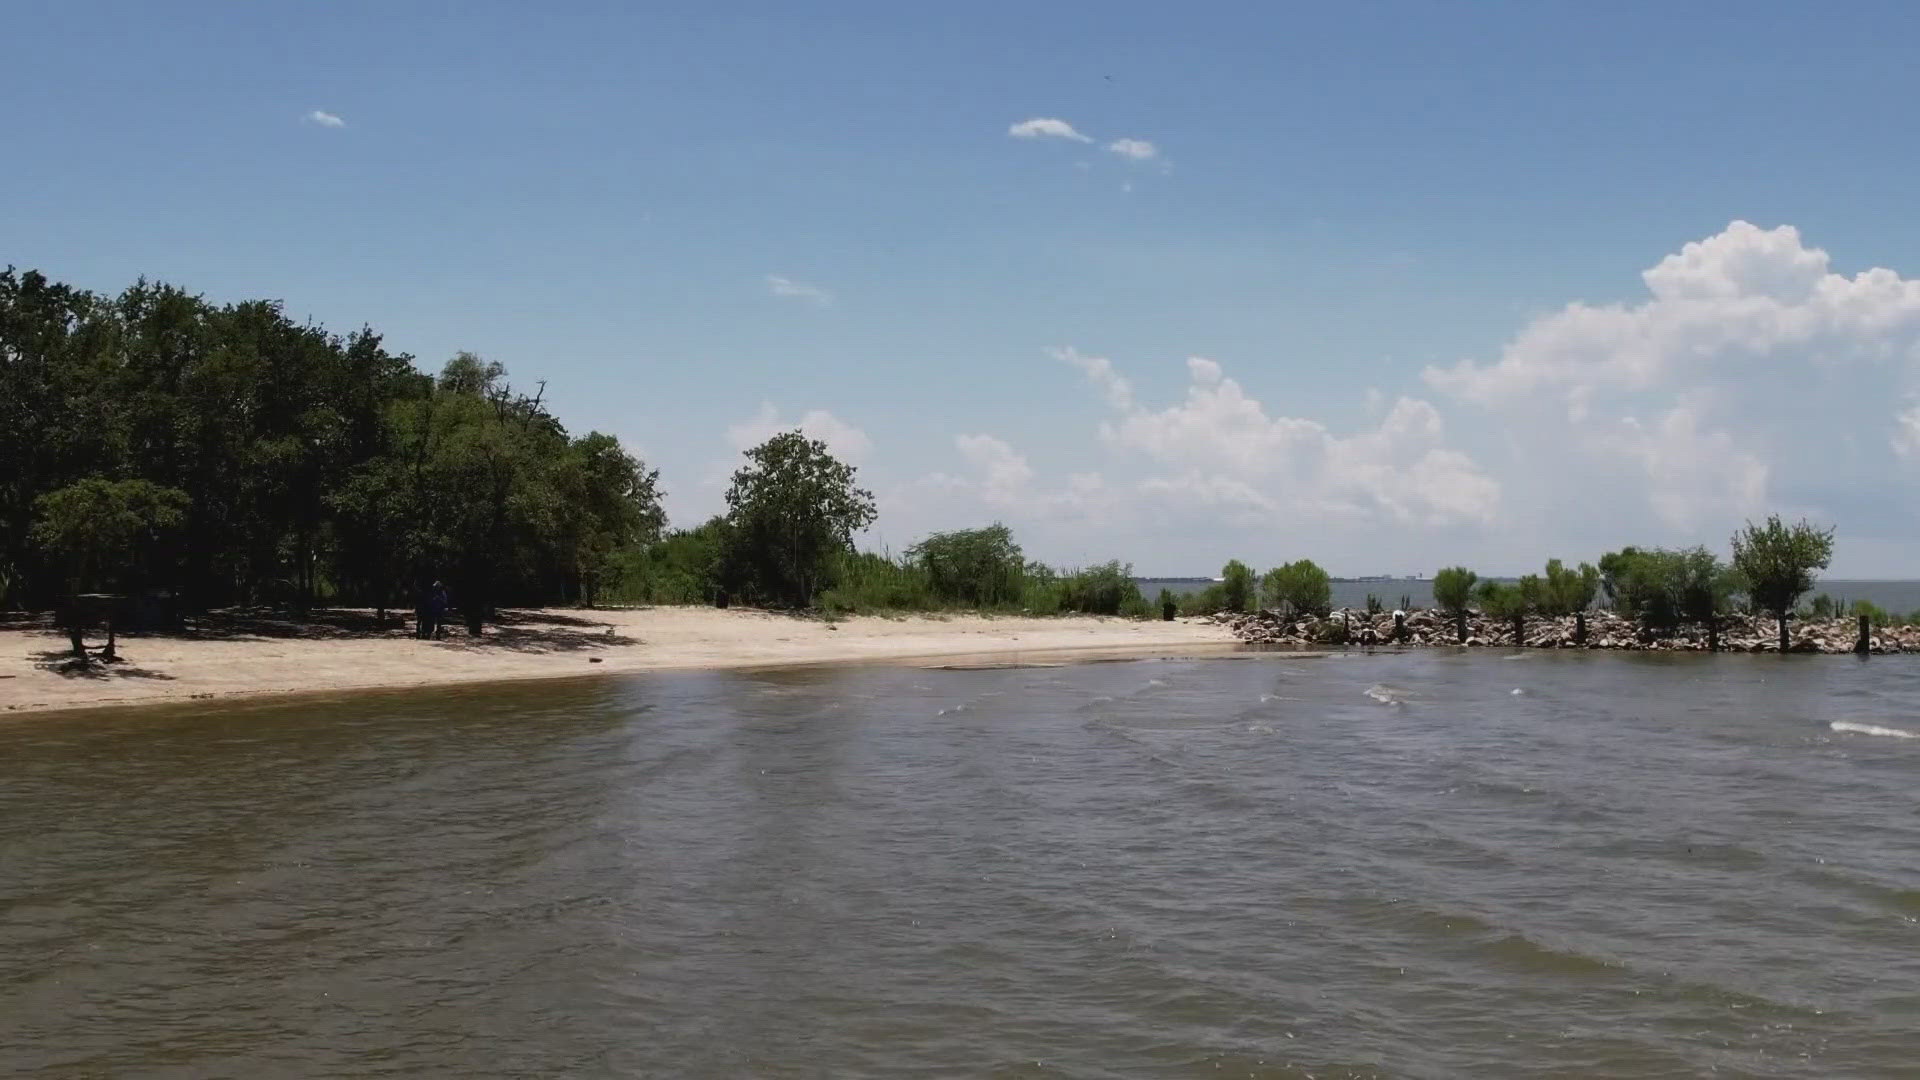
1899 597
1394 865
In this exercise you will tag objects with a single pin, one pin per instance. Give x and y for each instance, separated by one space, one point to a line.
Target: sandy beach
236 655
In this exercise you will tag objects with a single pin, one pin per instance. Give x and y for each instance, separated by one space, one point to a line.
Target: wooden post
1519 631
1460 625
1399 627
1579 628
1863 645
1713 633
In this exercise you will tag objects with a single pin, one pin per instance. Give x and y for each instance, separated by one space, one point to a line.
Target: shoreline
248 657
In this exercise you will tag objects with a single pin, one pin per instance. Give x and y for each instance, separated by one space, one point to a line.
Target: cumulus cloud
798 290
1750 376
848 443
1221 448
1134 149
1041 127
325 119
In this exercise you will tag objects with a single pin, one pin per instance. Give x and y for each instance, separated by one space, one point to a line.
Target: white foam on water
1873 729
1516 691
1386 695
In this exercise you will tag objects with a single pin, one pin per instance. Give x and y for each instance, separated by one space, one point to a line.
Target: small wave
1516 691
1387 695
962 707
1873 729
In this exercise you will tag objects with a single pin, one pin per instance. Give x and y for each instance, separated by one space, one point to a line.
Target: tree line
160 445
226 454
1771 568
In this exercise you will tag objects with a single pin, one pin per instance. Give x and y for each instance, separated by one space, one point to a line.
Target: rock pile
1604 630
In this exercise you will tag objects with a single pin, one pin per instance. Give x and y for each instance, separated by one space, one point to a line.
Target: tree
1566 592
1777 562
108 531
1614 567
1453 591
1299 588
977 567
1501 600
790 509
1239 588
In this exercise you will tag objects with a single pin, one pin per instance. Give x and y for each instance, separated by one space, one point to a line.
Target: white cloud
1221 448
325 119
1099 369
1041 127
847 442
798 290
1769 382
1134 149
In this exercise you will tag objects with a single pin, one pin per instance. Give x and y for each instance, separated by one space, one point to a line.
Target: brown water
1353 866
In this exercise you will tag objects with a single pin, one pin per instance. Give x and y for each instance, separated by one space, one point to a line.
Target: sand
240 655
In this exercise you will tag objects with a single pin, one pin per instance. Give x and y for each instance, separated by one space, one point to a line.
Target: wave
1387 695
1873 729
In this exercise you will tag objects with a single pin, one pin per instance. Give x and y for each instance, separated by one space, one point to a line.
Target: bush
980 568
1299 588
1663 589
1107 589
1208 601
1453 588
1238 588
1564 591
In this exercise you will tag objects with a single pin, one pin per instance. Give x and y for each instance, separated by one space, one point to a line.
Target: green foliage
1876 615
791 511
1299 588
1821 607
1614 567
1453 588
1106 589
980 568
1663 588
1374 606
682 567
1778 561
1207 601
1564 591
310 464
109 531
1238 587
1502 600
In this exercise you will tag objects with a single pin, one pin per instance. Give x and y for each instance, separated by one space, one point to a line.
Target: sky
1391 286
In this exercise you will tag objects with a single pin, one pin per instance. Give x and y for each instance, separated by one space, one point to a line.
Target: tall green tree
1777 561
790 509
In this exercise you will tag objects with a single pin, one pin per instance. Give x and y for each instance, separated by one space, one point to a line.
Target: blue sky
1343 203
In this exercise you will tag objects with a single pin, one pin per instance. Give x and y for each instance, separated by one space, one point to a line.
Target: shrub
980 568
1453 588
1299 588
1238 588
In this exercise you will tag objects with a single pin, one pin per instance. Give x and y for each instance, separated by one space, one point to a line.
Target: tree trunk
1713 633
1579 628
1460 626
1783 632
